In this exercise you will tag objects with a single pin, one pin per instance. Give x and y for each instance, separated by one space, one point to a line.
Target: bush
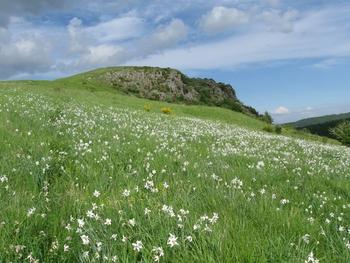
342 132
268 128
147 107
166 110
278 129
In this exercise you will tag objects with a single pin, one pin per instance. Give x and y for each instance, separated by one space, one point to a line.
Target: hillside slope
321 125
87 175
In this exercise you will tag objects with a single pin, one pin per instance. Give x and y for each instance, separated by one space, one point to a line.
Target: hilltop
166 84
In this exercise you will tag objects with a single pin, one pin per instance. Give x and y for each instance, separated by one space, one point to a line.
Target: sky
288 57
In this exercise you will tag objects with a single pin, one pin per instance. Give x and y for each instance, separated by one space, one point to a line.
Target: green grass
278 198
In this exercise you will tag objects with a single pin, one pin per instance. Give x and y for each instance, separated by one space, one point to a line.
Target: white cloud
270 34
281 110
221 18
101 55
117 29
309 39
24 55
168 35
93 54
280 21
326 63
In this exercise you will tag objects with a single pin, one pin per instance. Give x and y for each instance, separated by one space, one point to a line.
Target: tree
267 118
342 132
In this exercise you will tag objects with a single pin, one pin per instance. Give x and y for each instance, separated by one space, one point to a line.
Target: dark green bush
268 128
278 129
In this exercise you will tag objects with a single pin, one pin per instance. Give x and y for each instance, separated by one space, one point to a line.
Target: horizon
289 58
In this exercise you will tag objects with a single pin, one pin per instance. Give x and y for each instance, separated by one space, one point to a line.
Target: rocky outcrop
166 84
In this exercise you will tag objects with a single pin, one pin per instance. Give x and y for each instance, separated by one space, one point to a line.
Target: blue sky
290 58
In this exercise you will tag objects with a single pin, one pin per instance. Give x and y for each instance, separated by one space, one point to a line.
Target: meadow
87 175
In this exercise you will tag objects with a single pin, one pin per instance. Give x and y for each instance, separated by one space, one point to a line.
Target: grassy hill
87 175
164 84
321 125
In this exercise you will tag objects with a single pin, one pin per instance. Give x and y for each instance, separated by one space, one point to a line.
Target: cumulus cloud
221 18
281 110
24 55
101 55
94 53
165 36
117 29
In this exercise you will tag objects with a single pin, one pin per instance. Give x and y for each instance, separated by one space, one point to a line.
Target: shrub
147 107
166 110
268 128
342 132
278 129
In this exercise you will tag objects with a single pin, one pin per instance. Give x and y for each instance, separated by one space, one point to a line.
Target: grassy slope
289 187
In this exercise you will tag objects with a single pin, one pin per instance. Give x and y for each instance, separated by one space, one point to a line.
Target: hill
88 175
166 84
321 125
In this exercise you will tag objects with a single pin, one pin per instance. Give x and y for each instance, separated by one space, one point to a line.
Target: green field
87 175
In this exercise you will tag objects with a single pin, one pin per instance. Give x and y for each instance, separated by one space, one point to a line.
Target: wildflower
126 193
137 246
284 201
172 240
90 214
311 258
147 211
108 222
86 254
348 245
306 238
260 165
189 239
99 246
65 248
214 219
158 253
236 183
31 211
132 222
196 226
81 223
96 194
85 239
